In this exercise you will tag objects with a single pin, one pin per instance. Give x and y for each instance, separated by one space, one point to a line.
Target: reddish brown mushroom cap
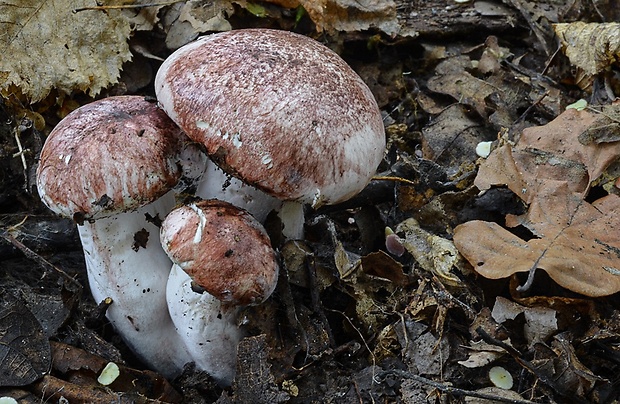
108 156
223 249
278 110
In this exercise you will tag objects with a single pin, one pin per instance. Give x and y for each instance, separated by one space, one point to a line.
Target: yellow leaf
50 46
591 47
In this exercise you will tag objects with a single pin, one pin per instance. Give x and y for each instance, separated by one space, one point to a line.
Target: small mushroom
110 165
223 261
279 111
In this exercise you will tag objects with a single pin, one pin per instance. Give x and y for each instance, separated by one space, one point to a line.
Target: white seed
109 373
483 149
500 377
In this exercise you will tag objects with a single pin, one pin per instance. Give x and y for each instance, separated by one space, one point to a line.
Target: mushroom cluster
284 121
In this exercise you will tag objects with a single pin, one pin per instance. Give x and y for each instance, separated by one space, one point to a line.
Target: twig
128 6
45 264
20 152
448 299
451 390
372 354
390 178
529 109
612 118
546 68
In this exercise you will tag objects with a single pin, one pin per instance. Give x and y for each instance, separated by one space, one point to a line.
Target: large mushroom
279 111
226 254
110 165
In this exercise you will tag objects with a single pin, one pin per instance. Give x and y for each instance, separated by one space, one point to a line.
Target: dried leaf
382 265
453 79
423 352
206 18
185 21
490 9
145 383
592 47
452 137
539 15
552 152
540 322
482 354
551 171
24 347
50 47
568 371
145 18
605 129
508 396
581 254
375 280
433 253
353 15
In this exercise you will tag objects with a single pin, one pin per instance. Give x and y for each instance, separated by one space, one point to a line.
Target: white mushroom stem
291 214
216 184
135 278
208 329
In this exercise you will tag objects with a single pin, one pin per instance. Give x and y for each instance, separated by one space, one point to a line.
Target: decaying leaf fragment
423 352
434 254
592 47
540 322
452 78
50 46
376 280
575 241
567 368
24 348
369 278
352 15
606 129
185 21
481 354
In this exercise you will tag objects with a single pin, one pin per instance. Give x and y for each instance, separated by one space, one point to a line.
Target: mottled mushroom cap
223 249
109 156
277 110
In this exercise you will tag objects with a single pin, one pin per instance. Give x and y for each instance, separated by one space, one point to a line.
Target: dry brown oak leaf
575 241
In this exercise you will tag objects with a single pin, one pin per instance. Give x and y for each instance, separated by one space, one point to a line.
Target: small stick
45 264
20 152
129 6
390 178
